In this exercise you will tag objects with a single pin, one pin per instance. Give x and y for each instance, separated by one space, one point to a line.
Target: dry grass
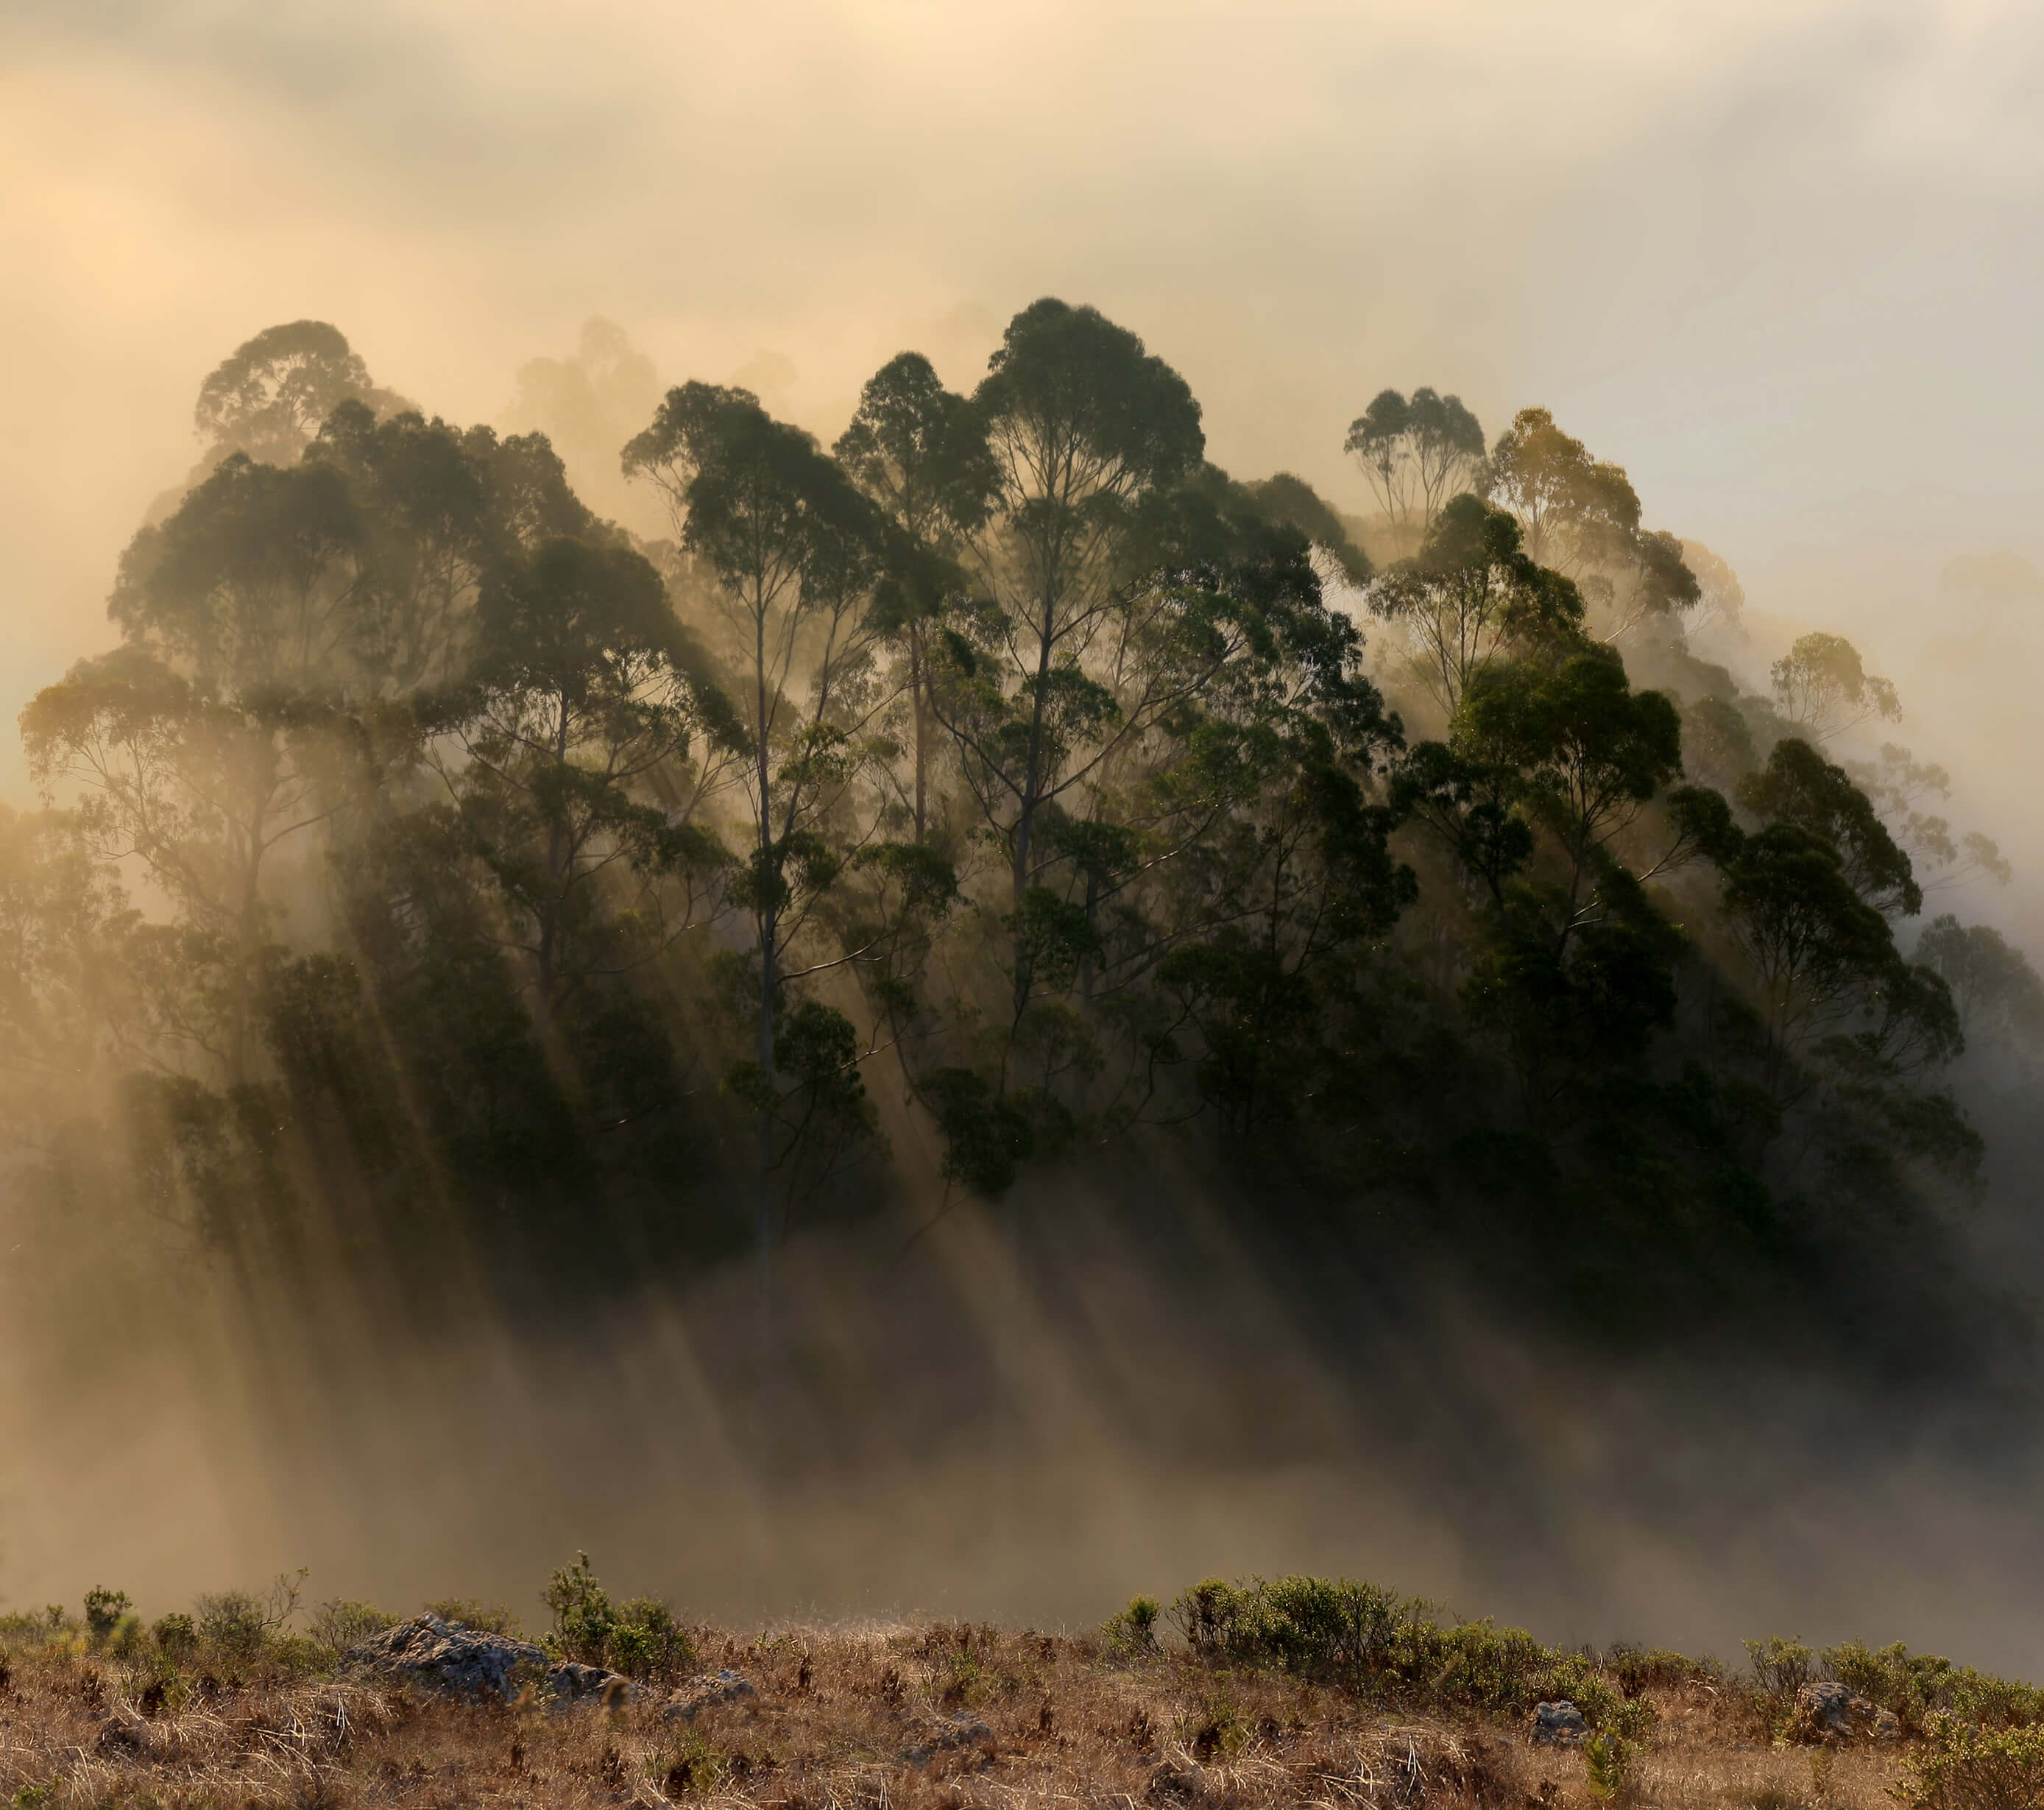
868 1719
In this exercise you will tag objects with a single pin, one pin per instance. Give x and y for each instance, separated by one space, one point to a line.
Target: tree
1815 946
1581 517
1575 511
579 704
1589 754
1821 687
1085 428
795 552
1799 786
1993 985
1416 453
1896 784
1471 595
209 739
921 453
267 398
587 404
438 508
1721 599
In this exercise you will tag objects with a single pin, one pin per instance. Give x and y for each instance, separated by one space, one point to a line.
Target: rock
126 1735
1559 1725
707 1692
448 1659
1183 1787
571 1683
1831 1713
960 1731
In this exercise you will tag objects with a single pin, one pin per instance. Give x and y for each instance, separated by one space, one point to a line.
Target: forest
435 883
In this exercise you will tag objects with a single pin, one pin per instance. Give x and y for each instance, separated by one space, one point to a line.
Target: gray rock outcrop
448 1659
1559 1725
1831 1713
707 1692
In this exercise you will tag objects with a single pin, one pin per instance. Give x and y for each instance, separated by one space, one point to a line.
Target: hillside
1297 1692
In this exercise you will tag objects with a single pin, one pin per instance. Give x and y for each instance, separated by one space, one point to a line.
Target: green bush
1370 1640
232 1627
487 1618
583 1612
1916 1686
640 1638
342 1623
1781 1666
1609 1768
647 1642
1134 1629
176 1636
1960 1767
104 1610
1636 1668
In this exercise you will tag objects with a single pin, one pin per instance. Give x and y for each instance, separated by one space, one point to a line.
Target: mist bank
1142 1399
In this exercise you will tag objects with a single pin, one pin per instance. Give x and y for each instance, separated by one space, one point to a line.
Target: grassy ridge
1280 1691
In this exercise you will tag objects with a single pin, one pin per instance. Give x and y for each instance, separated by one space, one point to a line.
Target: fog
1780 261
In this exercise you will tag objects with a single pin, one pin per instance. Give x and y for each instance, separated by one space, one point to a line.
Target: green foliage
584 1616
1958 1766
176 1636
1134 1629
1781 1664
104 1610
233 1627
1916 1686
1007 770
647 1642
342 1622
1370 1640
1609 1768
640 1637
471 1611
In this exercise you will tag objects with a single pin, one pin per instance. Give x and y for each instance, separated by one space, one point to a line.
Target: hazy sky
1780 260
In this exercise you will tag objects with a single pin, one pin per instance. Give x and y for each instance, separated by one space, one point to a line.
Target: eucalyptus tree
440 508
207 741
795 552
1799 786
1417 452
1581 517
269 397
1086 426
1470 596
1993 985
921 451
1822 688
578 702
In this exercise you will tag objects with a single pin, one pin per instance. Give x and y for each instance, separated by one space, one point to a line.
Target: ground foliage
1284 1691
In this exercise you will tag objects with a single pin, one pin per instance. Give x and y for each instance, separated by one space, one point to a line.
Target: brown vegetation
879 1716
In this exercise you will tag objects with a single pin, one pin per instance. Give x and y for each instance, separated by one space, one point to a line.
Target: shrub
1317 1627
640 1638
1370 1640
583 1612
647 1642
1960 1767
1134 1629
487 1618
1608 1768
233 1626
104 1610
1635 1669
342 1623
176 1636
1782 1666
